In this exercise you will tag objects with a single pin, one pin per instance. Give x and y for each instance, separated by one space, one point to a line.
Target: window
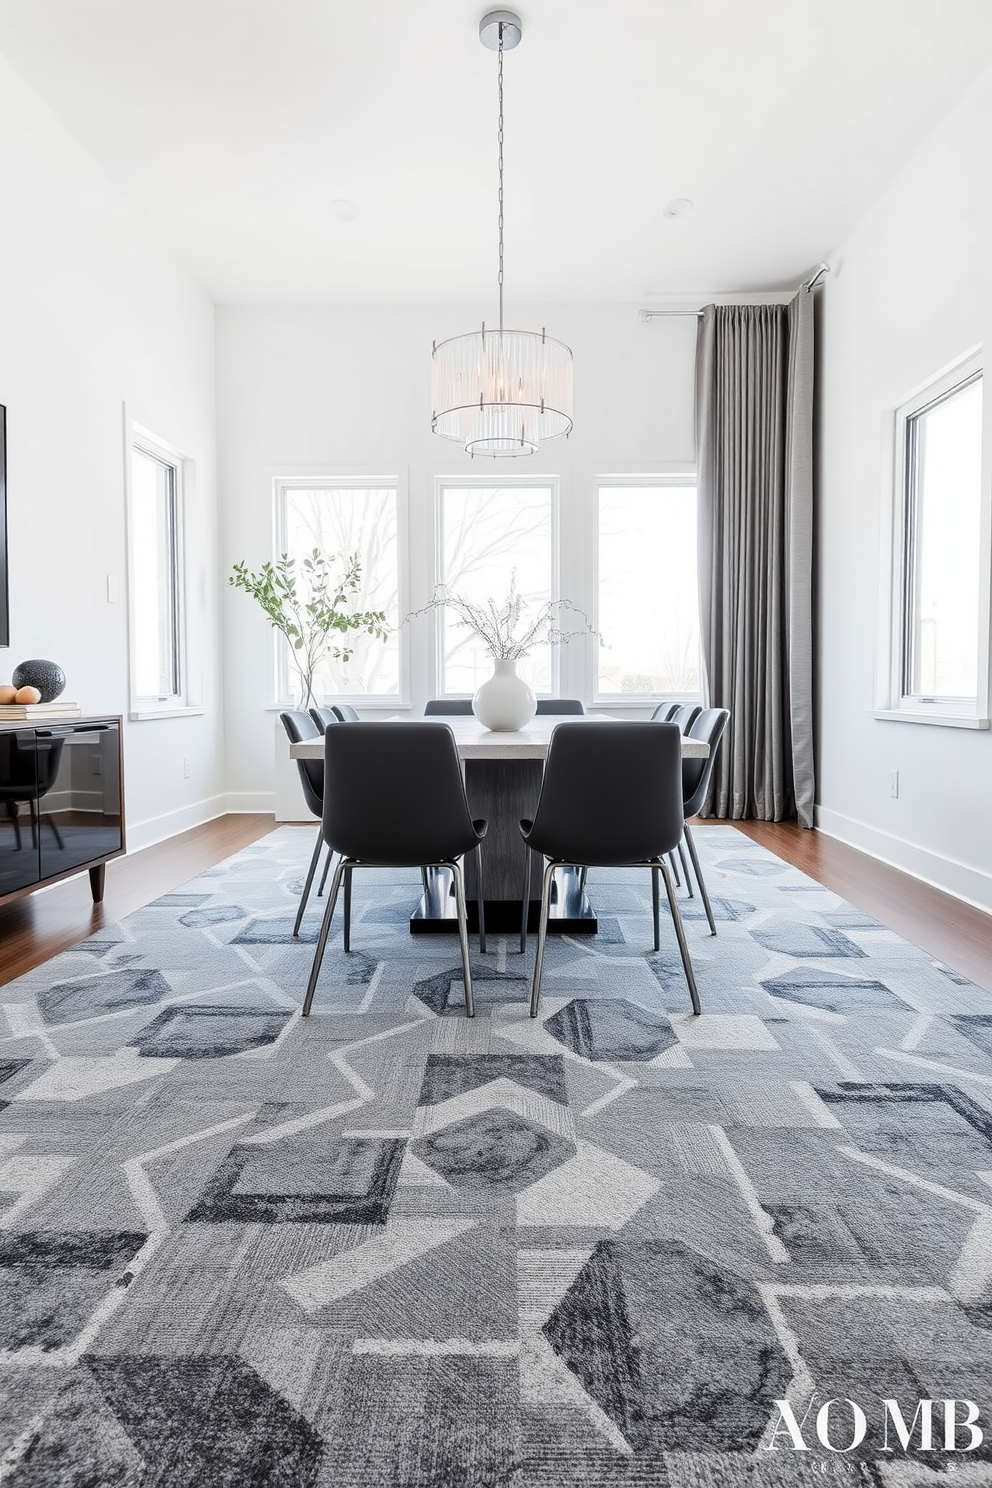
938 657
647 604
342 516
491 536
157 584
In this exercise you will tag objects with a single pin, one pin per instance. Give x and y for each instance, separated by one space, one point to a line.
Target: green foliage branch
311 608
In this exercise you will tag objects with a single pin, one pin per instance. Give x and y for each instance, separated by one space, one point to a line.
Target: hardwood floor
950 930
39 926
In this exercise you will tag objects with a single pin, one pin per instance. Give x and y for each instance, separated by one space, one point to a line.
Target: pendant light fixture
495 391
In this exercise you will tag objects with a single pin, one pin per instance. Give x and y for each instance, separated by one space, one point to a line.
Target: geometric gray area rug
391 1248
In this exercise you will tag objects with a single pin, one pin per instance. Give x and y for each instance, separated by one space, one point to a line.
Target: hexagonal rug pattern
389 1247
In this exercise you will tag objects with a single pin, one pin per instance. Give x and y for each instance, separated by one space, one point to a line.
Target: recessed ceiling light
343 210
679 206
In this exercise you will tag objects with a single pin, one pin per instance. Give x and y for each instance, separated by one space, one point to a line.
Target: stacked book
20 712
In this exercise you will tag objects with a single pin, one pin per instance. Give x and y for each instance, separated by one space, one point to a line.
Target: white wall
336 386
913 293
94 313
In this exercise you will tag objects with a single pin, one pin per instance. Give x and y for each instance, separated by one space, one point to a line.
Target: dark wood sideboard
61 801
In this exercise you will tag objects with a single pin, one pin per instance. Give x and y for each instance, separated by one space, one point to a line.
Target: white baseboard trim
970 884
248 803
158 828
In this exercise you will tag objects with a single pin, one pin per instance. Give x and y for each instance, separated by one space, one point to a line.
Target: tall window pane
491 537
155 555
944 460
342 520
648 595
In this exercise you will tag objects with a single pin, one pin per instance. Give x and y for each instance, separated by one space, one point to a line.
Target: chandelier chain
500 142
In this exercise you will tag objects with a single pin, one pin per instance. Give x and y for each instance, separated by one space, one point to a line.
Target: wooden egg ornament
27 695
7 693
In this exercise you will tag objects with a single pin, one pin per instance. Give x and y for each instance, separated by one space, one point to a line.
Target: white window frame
892 702
184 701
347 478
480 482
673 475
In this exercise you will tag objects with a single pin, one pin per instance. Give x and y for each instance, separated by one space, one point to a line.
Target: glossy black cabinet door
79 800
19 852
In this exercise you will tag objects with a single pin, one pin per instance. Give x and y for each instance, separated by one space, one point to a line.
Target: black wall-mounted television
4 596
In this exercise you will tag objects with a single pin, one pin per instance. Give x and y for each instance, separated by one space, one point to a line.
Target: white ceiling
235 123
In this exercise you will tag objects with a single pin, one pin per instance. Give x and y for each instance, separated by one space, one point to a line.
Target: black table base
570 912
504 791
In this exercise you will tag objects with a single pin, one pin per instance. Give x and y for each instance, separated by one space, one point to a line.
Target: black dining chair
300 726
27 773
611 798
664 713
323 717
709 726
345 713
685 715
448 708
559 705
398 802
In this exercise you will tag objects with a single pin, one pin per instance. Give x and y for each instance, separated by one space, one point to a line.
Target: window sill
145 715
943 720
367 705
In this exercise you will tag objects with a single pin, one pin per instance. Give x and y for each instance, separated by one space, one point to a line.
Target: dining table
503 770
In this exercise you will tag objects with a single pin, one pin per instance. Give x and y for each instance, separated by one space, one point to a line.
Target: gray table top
477 743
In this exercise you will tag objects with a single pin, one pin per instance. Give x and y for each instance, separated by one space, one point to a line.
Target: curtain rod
809 284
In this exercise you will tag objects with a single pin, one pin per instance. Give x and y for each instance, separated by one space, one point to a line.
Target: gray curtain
754 449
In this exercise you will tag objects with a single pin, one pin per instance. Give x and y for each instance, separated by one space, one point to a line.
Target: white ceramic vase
504 702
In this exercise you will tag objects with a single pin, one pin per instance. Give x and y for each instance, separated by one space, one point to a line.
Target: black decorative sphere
45 675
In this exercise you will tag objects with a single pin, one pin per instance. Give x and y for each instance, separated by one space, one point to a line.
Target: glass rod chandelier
500 392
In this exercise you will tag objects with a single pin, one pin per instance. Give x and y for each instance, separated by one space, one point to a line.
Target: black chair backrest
324 717
300 726
448 708
559 705
708 726
664 713
28 770
685 716
612 793
398 798
344 713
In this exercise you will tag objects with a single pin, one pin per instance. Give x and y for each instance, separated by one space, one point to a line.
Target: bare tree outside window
346 519
492 536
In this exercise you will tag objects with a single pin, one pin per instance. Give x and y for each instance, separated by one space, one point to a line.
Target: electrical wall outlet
185 766
894 784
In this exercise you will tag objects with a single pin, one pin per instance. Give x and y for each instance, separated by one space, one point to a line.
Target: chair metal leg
526 901
54 826
14 812
325 926
456 874
323 876
542 935
583 872
685 872
482 900
656 907
314 859
425 881
699 879
675 869
347 909
673 904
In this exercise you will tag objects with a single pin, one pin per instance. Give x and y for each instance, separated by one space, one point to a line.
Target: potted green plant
310 608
